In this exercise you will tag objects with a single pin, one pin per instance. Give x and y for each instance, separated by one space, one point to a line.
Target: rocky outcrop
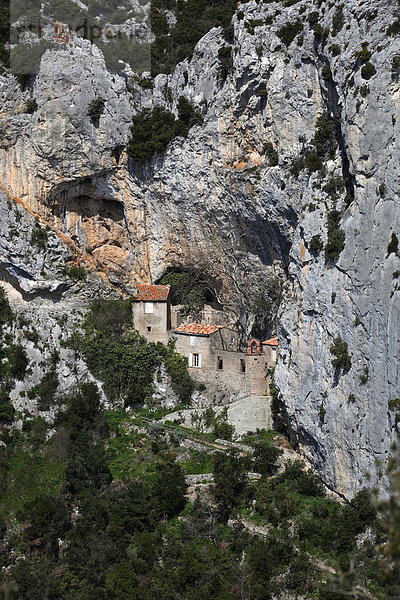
225 199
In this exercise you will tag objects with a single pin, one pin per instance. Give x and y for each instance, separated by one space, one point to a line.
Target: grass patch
198 463
29 473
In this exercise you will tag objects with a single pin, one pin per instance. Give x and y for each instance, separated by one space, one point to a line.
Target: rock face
225 198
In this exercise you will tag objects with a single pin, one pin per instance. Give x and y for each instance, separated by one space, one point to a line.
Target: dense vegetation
324 145
173 43
102 513
336 236
123 360
194 18
152 131
340 350
13 361
94 506
4 31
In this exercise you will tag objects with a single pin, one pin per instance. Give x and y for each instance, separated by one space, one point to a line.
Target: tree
389 517
342 359
266 455
169 489
230 480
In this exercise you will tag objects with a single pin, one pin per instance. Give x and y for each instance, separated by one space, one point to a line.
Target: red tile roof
198 328
272 342
152 293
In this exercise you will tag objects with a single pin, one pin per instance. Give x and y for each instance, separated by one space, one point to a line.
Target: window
148 307
242 366
194 360
254 348
220 363
149 329
192 340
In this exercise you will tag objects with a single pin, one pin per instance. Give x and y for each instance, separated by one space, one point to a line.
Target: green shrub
298 165
146 83
7 410
252 24
364 55
230 481
117 355
313 18
365 375
159 23
326 73
297 479
368 70
96 108
321 34
316 244
6 314
273 158
334 186
17 361
288 32
74 272
364 90
176 367
39 237
45 390
194 18
325 137
31 106
265 458
394 28
382 190
337 21
152 131
313 162
334 49
342 358
336 237
226 62
393 246
396 66
394 404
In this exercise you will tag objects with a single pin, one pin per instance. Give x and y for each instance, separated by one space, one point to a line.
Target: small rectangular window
242 366
149 329
220 363
148 307
192 340
196 360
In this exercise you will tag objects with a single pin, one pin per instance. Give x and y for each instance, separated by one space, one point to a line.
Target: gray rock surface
214 201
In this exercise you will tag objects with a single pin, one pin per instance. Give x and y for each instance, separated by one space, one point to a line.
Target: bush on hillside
152 131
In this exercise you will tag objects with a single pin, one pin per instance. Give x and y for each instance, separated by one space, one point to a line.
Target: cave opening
192 287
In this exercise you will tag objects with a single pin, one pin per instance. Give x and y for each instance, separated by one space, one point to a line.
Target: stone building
152 312
214 351
270 349
215 358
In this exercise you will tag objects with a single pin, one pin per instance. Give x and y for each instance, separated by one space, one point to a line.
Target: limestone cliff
230 199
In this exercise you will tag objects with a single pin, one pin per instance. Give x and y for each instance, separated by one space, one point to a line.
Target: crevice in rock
8 277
